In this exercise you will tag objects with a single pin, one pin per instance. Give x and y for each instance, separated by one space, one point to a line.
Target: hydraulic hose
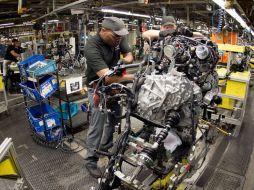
221 15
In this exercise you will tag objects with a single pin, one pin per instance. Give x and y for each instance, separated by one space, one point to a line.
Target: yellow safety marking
7 169
230 47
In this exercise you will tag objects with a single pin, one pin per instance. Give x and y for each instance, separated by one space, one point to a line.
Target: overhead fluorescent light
221 3
24 15
77 11
50 21
124 13
157 18
126 19
237 17
7 24
28 23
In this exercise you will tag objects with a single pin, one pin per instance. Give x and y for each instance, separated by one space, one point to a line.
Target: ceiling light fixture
124 13
50 21
7 24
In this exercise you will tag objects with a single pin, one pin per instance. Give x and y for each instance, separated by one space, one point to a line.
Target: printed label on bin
41 123
38 64
46 89
51 123
54 81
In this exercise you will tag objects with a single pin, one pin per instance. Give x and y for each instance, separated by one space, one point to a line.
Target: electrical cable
219 129
204 158
116 149
67 149
206 150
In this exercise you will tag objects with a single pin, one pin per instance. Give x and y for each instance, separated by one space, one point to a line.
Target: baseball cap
116 25
14 40
168 20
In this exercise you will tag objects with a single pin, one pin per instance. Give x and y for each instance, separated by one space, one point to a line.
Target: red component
177 45
124 72
96 99
143 27
187 167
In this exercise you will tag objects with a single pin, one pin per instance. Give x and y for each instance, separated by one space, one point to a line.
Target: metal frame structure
7 149
27 105
66 97
234 118
3 104
237 121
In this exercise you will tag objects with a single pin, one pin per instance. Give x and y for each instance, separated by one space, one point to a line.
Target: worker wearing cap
13 54
103 52
168 27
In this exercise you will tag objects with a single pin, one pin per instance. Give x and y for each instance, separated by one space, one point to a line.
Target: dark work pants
101 129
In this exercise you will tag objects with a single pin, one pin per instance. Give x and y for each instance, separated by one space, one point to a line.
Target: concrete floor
249 176
231 166
61 179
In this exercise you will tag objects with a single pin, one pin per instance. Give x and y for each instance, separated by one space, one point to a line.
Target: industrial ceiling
197 9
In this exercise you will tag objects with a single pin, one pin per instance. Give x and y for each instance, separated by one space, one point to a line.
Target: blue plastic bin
48 85
24 65
41 68
73 110
51 117
52 135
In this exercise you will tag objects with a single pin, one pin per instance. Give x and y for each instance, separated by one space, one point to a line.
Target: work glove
120 71
184 31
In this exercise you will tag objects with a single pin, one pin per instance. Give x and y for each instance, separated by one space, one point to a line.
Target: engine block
161 93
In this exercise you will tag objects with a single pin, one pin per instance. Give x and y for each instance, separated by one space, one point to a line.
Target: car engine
169 101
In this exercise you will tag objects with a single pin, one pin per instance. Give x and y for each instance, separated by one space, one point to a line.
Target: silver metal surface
4 147
20 184
230 96
7 149
161 93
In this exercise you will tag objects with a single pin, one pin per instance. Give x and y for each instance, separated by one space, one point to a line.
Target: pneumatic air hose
221 15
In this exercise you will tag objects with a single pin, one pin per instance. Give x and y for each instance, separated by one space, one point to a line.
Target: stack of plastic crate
38 84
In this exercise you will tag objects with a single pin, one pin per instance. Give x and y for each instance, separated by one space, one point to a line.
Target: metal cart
3 96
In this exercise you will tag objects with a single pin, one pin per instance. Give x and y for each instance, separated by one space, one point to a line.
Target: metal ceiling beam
8 12
62 8
158 3
179 2
121 4
9 2
203 12
9 19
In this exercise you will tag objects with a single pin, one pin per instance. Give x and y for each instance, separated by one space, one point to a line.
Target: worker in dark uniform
13 54
169 27
103 52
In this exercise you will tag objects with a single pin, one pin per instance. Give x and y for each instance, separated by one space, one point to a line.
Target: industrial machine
169 95
68 63
234 86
